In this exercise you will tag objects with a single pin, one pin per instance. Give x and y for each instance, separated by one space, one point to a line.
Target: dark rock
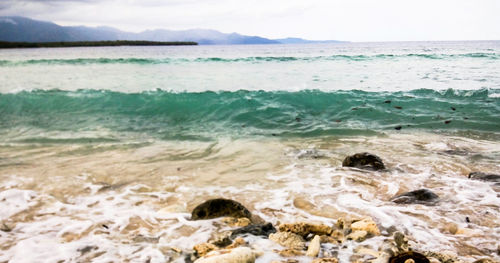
86 249
214 208
421 196
364 161
256 230
485 177
5 228
403 257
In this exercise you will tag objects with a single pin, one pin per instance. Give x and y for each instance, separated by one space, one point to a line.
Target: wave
152 61
168 115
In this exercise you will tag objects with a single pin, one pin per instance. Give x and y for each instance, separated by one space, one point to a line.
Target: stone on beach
289 240
236 255
304 229
203 248
256 230
219 207
314 246
365 161
366 224
485 176
359 235
421 196
233 221
407 257
325 260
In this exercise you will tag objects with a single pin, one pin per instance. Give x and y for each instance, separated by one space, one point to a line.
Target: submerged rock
421 196
409 257
304 229
485 176
256 230
236 255
219 207
364 160
289 240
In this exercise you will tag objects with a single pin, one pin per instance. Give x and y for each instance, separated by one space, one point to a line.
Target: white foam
14 201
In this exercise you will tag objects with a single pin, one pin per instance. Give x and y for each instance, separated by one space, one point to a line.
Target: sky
350 20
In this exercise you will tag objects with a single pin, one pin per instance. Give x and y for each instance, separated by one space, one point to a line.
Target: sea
105 151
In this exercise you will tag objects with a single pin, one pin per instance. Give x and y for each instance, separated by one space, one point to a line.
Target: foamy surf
124 205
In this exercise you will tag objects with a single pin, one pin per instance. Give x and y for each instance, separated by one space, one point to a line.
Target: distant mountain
21 29
295 40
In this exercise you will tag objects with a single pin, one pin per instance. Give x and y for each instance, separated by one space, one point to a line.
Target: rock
289 240
330 239
443 257
359 235
485 177
203 248
314 246
421 196
364 160
233 221
325 260
87 249
338 235
221 239
256 230
219 207
409 257
236 255
5 228
401 242
305 229
484 260
237 242
291 252
366 224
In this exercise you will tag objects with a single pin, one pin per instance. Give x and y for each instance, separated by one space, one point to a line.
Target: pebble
314 246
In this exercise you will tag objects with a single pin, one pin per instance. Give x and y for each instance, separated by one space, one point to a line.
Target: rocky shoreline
312 241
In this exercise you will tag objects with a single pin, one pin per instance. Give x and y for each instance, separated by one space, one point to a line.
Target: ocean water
105 151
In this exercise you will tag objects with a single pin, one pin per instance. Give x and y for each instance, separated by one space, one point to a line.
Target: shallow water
97 165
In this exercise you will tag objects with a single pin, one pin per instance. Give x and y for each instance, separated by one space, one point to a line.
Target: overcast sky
354 20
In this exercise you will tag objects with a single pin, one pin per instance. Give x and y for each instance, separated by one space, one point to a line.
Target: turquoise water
208 115
205 92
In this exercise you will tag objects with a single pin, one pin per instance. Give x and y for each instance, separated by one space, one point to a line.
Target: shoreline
5 44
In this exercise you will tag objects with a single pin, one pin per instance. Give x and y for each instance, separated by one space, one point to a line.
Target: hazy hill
21 29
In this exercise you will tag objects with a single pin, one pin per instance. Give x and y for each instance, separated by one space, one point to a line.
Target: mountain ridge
22 29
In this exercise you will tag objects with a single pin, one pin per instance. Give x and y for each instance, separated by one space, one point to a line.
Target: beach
106 151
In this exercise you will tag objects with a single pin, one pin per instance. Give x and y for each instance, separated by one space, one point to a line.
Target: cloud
355 20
